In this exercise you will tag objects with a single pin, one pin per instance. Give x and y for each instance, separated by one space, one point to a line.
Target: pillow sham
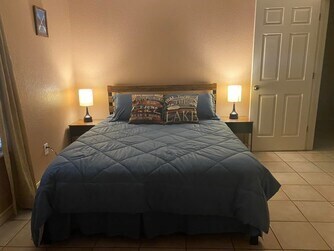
123 106
147 109
181 109
206 107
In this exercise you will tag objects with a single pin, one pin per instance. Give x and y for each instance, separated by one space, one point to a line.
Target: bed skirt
148 225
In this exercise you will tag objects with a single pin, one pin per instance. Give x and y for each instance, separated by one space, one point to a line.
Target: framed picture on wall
41 26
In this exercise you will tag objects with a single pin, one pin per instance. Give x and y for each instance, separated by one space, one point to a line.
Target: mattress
185 169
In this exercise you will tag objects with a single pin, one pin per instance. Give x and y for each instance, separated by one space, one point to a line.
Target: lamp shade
234 93
86 97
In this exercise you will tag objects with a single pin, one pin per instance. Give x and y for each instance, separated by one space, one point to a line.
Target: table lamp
234 95
86 99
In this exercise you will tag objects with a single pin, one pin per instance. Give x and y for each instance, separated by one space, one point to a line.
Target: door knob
256 87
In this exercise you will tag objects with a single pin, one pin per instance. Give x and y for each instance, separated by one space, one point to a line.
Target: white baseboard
5 215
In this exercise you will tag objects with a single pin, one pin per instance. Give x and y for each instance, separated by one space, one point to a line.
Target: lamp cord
52 150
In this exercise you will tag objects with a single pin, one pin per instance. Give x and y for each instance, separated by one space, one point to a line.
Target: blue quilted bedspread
188 169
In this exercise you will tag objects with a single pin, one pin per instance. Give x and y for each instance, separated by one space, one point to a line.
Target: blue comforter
188 169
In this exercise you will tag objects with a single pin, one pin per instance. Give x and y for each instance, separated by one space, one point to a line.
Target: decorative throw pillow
181 109
147 109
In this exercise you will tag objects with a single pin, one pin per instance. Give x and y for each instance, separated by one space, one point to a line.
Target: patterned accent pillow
147 109
181 109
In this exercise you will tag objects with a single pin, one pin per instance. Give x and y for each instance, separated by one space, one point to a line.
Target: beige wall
326 100
121 41
43 72
149 41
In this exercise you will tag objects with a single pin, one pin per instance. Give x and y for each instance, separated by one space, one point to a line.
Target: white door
285 43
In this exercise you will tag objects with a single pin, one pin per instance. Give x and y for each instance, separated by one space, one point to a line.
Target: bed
149 180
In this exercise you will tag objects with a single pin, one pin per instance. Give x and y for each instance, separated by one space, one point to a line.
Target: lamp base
233 114
87 117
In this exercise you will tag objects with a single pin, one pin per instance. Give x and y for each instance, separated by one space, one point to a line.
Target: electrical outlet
46 148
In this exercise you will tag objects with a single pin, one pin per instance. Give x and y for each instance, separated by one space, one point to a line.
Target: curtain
15 147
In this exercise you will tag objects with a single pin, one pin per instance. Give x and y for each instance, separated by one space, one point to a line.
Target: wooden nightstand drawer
77 131
79 127
239 127
245 127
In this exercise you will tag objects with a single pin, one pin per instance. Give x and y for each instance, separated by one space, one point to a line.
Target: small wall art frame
41 26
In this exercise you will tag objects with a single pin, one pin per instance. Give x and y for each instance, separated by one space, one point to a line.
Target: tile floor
302 215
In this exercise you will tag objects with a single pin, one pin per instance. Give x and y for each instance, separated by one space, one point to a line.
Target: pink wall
172 41
43 72
94 43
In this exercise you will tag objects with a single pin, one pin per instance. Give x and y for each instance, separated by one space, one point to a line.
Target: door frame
321 43
315 89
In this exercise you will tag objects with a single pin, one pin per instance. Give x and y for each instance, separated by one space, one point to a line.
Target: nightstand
241 127
80 127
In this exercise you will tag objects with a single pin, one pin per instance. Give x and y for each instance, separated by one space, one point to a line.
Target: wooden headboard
112 89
